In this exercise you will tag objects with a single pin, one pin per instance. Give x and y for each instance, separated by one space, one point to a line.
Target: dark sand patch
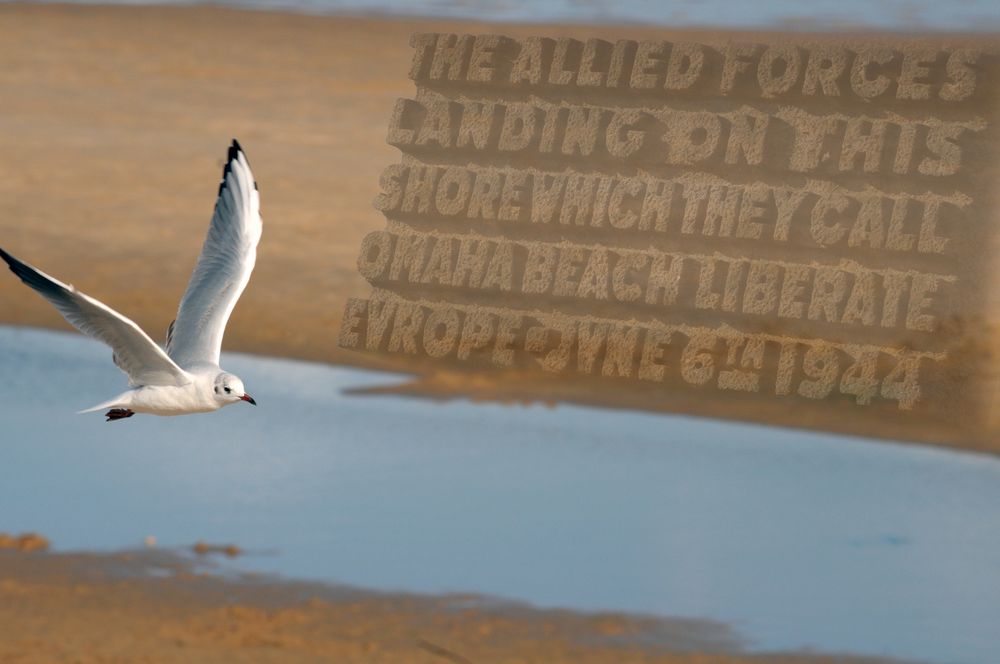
158 606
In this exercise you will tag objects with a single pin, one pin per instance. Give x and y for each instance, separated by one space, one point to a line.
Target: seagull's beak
247 397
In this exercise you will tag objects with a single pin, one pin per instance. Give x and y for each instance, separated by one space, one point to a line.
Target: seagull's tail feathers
123 400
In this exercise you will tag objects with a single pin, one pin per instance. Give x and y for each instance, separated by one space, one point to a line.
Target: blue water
906 15
795 539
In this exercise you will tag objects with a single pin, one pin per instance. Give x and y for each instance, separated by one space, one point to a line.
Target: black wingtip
32 277
232 155
16 266
12 262
235 150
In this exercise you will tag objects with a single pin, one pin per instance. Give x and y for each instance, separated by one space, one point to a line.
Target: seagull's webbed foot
118 414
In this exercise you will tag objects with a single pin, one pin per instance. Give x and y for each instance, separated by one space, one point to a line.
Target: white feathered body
195 397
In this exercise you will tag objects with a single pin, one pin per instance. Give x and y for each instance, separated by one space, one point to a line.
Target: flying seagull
185 377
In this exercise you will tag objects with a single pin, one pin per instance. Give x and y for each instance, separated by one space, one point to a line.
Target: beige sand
113 128
113 131
106 608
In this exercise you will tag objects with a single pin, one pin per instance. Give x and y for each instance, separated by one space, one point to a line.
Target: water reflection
797 539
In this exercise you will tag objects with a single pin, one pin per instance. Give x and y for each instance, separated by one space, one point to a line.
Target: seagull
184 377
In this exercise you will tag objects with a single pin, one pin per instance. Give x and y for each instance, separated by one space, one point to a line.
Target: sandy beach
122 116
112 135
113 129
153 606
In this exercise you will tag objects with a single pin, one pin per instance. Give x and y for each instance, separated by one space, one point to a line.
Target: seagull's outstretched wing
135 353
223 270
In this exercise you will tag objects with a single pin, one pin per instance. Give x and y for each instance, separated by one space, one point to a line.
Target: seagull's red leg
118 414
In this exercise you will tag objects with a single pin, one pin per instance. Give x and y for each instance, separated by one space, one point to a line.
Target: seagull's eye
227 390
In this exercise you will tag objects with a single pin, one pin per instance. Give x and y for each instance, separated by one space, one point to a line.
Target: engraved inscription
796 223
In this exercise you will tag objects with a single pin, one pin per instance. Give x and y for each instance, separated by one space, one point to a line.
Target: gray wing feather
223 270
135 353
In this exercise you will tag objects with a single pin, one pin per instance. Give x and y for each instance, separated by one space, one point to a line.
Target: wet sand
153 606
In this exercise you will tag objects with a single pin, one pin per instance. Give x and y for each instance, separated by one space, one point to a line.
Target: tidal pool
796 539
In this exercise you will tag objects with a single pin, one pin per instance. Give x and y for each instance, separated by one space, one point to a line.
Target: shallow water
819 15
796 539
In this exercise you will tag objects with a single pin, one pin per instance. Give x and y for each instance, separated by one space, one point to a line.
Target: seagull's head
229 389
